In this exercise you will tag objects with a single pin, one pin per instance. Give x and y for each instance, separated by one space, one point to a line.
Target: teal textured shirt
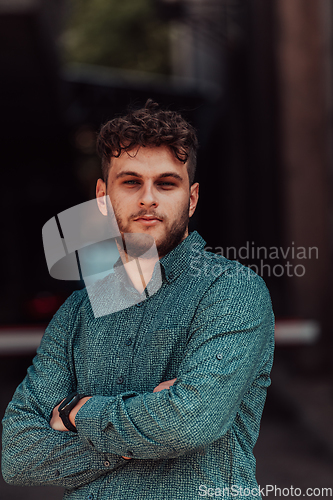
210 325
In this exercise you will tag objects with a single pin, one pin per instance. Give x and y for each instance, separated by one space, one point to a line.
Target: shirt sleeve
32 452
228 355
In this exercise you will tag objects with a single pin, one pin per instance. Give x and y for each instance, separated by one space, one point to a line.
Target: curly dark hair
148 126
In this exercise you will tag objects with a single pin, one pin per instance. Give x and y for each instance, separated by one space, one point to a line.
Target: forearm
146 426
35 454
197 411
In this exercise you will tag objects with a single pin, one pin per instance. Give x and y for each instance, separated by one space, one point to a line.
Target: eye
131 182
166 184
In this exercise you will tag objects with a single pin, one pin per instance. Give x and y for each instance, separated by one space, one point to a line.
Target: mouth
148 220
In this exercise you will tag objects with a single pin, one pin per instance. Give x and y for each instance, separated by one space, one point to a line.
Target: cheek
116 203
178 205
177 201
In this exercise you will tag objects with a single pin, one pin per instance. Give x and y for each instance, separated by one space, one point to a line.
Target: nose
148 196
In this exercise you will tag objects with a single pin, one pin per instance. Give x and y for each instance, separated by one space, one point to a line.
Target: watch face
71 400
66 407
69 403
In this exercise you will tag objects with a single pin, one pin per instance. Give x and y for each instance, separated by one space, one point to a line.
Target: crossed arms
57 424
163 424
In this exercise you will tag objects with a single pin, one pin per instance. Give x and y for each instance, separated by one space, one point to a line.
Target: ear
194 196
101 196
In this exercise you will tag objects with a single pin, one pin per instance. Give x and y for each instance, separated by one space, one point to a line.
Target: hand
164 385
56 422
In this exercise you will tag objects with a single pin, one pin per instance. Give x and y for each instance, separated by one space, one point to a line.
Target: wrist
65 408
76 408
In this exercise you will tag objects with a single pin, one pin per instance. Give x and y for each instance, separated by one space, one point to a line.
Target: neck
139 269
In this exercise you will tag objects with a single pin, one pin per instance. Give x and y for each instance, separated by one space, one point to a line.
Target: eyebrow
136 174
171 174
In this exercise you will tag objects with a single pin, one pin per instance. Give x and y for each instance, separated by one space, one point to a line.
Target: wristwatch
66 407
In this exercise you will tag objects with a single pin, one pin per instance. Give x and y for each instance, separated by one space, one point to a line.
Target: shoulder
69 311
243 281
217 270
230 282
75 301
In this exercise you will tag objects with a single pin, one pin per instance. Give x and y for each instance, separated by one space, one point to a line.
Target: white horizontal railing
20 340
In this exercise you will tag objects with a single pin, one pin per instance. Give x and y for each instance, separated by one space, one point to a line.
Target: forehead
148 161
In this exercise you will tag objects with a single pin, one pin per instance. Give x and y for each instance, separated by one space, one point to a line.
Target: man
168 392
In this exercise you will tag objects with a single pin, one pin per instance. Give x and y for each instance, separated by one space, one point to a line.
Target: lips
148 220
148 217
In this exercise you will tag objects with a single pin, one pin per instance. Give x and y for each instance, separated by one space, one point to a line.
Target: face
150 193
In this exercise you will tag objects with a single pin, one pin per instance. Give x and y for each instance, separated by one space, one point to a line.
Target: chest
134 349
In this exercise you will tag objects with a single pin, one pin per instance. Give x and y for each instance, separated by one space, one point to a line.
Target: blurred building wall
273 128
304 61
197 39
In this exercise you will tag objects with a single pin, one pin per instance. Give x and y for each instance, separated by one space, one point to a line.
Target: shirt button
139 304
107 463
219 356
128 341
120 380
171 276
90 497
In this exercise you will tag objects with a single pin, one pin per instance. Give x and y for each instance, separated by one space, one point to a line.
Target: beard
175 235
137 244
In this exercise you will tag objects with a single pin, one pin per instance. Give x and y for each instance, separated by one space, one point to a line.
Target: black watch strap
66 407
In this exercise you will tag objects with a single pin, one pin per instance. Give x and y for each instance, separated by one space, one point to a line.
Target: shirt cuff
92 421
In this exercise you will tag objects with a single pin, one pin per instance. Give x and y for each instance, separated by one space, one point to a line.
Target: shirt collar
178 260
173 263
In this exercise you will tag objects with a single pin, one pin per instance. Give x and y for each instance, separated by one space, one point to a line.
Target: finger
164 385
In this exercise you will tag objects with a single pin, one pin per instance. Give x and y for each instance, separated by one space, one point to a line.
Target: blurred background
255 79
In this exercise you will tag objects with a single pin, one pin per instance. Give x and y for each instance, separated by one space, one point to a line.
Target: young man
163 399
